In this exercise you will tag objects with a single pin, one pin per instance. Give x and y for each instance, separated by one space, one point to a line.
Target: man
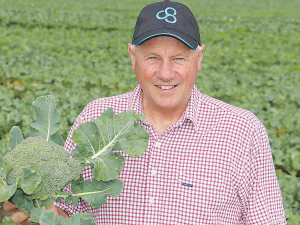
207 162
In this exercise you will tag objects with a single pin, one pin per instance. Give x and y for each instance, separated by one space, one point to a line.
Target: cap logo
167 14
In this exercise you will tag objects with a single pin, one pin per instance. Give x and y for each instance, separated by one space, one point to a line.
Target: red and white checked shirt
213 166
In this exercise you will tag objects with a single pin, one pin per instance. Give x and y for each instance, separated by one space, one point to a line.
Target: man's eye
152 57
179 59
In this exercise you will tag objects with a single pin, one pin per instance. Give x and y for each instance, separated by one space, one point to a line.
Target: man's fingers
19 216
57 211
7 206
26 222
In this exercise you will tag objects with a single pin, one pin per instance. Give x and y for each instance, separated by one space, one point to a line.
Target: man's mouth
166 87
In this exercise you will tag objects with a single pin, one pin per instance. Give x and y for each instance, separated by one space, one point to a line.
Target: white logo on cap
167 15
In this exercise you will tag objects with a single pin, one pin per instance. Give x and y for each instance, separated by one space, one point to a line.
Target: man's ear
132 55
200 57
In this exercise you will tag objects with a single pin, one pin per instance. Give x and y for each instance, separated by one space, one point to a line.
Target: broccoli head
56 167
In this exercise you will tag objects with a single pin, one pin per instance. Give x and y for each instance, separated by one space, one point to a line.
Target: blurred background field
77 51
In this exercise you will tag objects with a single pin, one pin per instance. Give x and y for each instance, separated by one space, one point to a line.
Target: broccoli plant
37 168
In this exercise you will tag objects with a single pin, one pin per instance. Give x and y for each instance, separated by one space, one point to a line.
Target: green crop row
76 50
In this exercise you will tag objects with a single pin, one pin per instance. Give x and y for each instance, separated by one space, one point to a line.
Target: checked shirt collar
191 113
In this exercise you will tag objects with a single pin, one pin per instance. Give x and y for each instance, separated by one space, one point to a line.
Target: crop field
77 51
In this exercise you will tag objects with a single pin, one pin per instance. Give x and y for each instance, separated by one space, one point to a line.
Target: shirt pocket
198 199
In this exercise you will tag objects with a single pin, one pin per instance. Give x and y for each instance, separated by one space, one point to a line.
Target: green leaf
80 154
110 132
75 201
79 183
88 137
133 137
46 203
93 196
46 119
47 218
94 192
107 166
39 187
16 137
58 199
29 180
5 168
68 199
20 200
35 215
124 129
112 188
6 191
78 219
58 139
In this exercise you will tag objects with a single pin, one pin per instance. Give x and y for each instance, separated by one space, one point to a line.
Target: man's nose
165 71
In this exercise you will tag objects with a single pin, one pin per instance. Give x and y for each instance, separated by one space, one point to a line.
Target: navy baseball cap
167 19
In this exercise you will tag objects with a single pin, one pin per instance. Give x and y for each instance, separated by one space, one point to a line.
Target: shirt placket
153 176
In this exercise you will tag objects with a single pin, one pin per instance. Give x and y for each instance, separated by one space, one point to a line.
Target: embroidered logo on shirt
187 185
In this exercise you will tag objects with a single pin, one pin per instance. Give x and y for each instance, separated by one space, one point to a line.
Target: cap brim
190 42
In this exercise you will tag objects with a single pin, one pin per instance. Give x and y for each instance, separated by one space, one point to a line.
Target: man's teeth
166 87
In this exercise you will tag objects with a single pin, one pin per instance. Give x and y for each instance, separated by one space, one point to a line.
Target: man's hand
57 211
19 216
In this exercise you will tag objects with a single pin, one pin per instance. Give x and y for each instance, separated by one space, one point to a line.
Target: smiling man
207 162
166 70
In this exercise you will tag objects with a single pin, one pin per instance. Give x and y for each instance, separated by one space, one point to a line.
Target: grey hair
199 49
133 47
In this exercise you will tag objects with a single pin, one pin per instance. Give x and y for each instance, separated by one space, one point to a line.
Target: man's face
166 69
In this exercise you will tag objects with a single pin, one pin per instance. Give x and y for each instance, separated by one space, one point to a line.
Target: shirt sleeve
259 192
83 206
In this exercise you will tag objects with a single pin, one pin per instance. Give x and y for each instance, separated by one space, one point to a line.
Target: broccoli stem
38 204
107 147
3 181
81 194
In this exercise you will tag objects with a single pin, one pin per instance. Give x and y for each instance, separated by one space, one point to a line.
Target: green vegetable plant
36 169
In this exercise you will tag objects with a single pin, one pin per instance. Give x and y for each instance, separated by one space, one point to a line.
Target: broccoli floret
56 167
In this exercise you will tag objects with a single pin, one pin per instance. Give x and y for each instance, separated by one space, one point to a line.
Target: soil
3 213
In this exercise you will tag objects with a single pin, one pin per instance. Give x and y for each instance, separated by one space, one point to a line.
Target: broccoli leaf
75 201
35 215
68 199
56 138
88 137
46 120
123 128
16 137
78 219
94 192
107 166
33 188
110 132
6 191
20 200
29 180
46 217
5 168
79 183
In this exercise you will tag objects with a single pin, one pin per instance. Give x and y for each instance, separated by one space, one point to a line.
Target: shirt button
157 144
151 201
153 172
